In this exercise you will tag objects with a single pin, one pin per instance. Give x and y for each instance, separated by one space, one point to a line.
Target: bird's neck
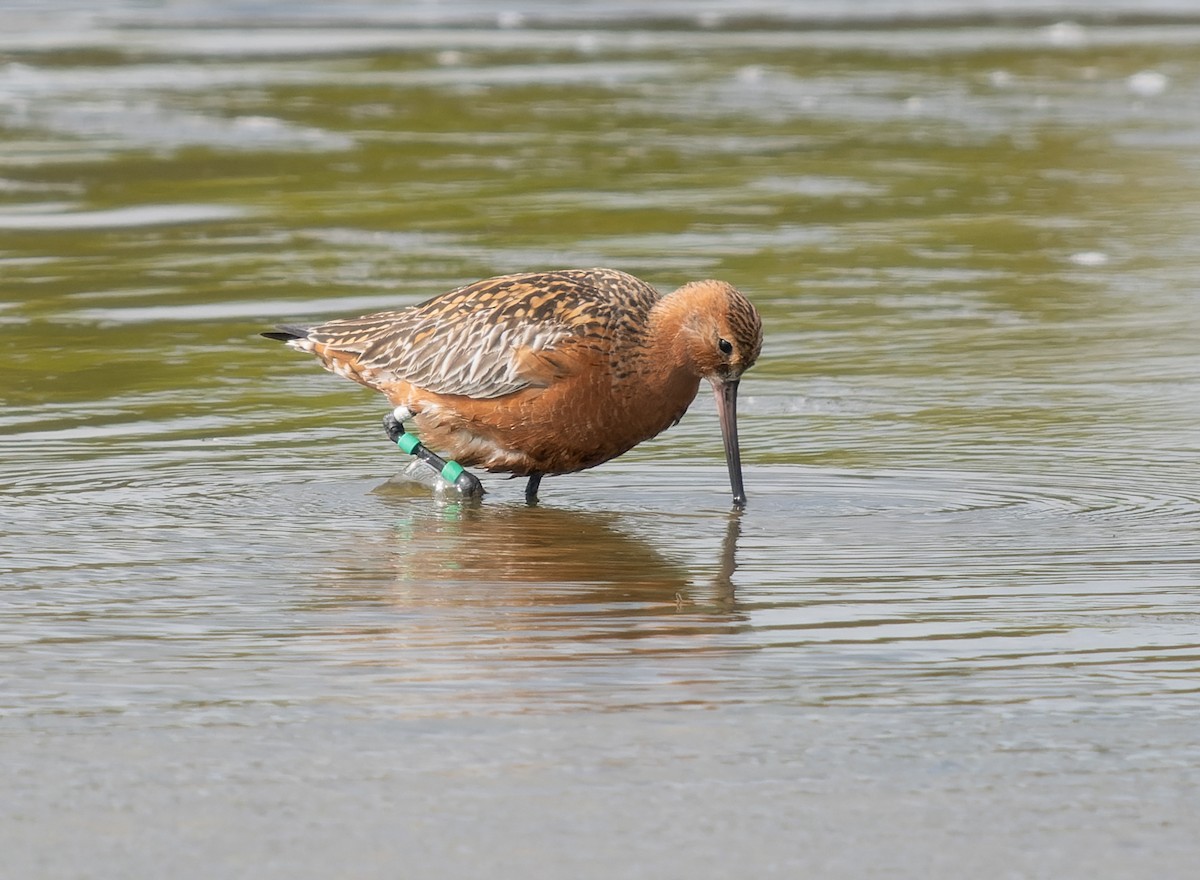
665 363
668 334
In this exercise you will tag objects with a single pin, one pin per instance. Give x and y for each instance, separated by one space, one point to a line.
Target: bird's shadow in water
514 554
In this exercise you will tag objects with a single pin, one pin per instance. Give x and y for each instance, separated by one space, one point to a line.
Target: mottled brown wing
496 336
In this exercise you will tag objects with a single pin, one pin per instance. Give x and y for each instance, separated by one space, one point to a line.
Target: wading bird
545 373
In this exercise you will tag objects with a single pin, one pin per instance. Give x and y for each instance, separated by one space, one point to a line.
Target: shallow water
954 633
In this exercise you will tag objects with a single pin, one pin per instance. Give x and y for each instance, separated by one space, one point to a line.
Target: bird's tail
286 333
344 363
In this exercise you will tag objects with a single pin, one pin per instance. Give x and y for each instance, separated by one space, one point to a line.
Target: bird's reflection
521 555
723 582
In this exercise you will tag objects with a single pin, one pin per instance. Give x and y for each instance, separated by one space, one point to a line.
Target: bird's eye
725 345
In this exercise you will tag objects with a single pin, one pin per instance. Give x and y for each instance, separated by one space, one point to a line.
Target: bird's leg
450 471
531 488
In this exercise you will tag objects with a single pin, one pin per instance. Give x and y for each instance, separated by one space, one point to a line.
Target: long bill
726 395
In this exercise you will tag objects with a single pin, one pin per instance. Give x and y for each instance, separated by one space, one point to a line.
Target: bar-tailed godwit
546 373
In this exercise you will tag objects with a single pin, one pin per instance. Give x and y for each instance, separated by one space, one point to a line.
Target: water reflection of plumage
556 556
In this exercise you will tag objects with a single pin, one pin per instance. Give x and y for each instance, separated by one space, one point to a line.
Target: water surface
954 631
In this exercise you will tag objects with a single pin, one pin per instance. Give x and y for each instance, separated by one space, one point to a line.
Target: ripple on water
967 565
946 585
49 217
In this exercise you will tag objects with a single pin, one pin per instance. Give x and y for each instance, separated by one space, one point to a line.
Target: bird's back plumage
491 338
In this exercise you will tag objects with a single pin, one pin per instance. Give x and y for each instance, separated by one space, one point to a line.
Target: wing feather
486 339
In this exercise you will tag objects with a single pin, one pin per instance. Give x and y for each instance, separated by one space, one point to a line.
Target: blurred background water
953 634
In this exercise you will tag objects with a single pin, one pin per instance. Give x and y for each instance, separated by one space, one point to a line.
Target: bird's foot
531 489
450 471
468 484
